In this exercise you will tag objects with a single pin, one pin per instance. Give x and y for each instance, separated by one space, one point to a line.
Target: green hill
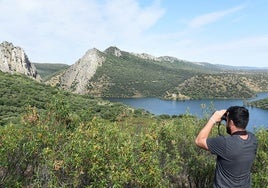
263 103
223 85
19 93
53 138
131 76
48 70
125 75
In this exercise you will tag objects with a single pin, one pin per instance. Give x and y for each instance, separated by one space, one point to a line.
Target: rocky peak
114 51
168 58
172 59
146 56
76 77
14 60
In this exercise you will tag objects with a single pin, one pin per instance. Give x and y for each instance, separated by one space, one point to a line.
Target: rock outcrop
76 77
14 60
114 51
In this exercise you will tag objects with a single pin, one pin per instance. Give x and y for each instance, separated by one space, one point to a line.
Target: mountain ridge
127 75
117 73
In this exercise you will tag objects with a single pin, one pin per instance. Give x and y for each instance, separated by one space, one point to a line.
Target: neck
239 132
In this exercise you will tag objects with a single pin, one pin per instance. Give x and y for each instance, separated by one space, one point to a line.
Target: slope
132 76
20 93
120 74
48 70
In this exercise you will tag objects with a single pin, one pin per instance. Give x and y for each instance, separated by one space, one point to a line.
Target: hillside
116 73
19 93
121 74
130 76
221 86
48 70
52 138
262 103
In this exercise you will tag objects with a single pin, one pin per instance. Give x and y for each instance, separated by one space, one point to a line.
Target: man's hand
216 117
201 139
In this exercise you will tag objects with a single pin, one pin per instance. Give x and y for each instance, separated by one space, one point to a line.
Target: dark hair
239 115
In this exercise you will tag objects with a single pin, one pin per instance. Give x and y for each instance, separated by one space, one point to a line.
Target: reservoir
258 118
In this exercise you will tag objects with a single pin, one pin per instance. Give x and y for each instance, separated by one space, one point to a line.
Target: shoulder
217 142
218 139
252 136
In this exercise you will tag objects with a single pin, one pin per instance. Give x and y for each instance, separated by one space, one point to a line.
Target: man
235 152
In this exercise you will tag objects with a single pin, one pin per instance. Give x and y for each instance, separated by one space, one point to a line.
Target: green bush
260 166
42 151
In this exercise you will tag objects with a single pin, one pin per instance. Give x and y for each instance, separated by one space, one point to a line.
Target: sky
229 32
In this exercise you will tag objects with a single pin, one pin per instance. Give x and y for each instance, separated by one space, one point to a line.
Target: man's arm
201 139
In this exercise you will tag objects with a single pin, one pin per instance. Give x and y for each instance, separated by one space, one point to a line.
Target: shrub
142 151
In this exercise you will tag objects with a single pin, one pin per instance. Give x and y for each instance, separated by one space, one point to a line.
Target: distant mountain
117 73
243 68
48 70
14 60
222 86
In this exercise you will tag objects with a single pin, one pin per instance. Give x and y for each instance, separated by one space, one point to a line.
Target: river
258 117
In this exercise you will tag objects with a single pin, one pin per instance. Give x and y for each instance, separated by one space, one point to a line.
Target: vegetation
130 76
263 103
48 70
125 75
51 138
138 151
19 92
223 85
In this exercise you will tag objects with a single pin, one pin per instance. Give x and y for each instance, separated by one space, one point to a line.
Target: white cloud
63 30
212 17
45 27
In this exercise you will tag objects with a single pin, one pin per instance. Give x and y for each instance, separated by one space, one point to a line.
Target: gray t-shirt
234 159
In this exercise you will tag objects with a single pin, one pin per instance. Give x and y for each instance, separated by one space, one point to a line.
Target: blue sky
230 32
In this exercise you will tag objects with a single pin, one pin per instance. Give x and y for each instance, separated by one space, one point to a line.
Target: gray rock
77 76
14 60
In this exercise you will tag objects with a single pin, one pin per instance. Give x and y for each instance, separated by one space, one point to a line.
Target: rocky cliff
14 60
76 77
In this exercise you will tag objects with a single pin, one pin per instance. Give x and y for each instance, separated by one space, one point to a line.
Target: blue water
200 108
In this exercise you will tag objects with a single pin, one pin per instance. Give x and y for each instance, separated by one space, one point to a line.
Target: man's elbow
197 142
202 143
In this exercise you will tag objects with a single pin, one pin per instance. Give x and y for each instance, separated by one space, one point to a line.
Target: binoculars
224 117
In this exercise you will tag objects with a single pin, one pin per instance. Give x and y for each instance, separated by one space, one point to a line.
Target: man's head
239 116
